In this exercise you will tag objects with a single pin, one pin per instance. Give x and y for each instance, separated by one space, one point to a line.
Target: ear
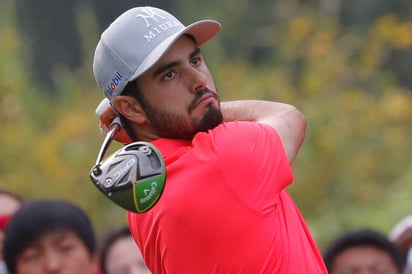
130 108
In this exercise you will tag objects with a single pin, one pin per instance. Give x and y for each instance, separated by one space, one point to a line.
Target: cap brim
202 31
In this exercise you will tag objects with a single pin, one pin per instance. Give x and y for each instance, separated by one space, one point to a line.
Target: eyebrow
166 66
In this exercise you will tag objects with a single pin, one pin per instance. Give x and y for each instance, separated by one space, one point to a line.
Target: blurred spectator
401 235
363 251
120 254
50 236
9 204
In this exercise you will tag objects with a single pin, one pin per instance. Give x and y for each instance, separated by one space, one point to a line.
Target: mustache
199 94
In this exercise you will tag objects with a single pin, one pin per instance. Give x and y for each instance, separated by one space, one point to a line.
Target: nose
197 80
52 262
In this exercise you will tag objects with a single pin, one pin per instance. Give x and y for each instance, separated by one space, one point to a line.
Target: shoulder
240 134
242 126
236 139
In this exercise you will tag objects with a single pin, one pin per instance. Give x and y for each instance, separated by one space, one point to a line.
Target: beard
169 124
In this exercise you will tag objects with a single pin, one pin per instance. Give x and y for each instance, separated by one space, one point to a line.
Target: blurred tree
360 15
50 31
50 37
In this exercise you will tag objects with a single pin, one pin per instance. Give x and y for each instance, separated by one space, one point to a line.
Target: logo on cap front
156 23
148 13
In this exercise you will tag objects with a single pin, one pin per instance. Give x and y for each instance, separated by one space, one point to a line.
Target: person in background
119 254
225 207
50 237
401 235
363 251
9 204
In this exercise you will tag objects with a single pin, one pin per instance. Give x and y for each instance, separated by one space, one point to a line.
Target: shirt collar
170 147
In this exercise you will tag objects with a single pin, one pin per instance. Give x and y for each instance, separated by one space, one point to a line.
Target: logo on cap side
111 87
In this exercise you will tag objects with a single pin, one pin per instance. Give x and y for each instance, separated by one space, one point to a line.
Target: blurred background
347 64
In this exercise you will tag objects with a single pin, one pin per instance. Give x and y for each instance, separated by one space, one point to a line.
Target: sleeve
252 158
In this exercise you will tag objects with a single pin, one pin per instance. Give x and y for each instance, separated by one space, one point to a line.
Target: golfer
225 207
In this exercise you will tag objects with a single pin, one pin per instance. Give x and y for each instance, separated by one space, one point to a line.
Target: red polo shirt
224 208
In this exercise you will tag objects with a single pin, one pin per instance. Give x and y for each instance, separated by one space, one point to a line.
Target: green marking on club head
148 192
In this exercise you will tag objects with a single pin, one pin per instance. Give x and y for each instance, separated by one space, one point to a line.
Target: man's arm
288 121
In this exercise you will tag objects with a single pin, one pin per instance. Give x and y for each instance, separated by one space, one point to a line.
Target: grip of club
104 129
116 122
103 104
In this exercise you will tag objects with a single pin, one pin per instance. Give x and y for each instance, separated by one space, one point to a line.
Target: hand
107 116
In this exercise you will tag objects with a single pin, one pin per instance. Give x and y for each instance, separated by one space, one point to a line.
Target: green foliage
49 143
354 168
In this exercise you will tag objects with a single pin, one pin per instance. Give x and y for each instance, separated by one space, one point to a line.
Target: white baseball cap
136 40
401 228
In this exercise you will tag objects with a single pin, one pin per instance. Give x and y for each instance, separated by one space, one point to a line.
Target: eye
30 254
169 75
196 61
66 247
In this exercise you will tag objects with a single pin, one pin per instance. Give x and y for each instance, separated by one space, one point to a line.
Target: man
224 208
401 235
50 236
119 254
363 251
9 204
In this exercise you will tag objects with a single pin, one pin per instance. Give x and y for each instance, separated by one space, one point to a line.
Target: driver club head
133 177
